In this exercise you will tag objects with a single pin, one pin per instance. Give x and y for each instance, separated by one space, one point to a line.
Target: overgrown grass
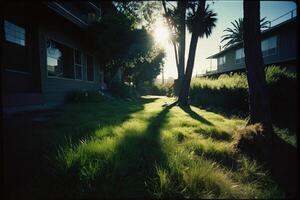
142 149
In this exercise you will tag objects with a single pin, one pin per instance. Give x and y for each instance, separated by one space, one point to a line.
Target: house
278 45
44 53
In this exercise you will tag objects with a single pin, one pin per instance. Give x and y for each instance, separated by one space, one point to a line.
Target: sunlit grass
159 152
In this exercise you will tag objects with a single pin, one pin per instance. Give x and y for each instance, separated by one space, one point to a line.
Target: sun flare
161 33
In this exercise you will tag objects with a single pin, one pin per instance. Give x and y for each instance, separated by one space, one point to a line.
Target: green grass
142 149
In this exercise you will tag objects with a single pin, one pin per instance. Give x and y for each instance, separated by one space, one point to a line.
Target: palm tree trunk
181 49
176 55
185 90
259 107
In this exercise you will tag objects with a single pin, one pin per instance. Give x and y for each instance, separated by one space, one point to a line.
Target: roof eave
67 14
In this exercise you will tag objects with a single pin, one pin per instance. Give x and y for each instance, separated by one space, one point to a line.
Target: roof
74 11
264 32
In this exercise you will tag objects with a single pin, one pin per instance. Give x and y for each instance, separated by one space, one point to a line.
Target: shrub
122 90
250 140
166 90
230 92
78 96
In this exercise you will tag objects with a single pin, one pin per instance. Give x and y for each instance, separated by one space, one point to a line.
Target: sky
227 12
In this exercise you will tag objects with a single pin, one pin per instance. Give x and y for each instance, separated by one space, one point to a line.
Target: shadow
136 156
34 144
282 162
195 116
228 161
214 133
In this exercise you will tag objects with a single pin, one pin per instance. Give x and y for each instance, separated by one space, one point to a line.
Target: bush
250 140
123 91
230 92
78 96
166 90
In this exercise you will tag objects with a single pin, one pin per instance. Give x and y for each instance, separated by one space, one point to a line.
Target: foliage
161 89
230 92
210 20
148 69
79 96
122 46
122 90
235 35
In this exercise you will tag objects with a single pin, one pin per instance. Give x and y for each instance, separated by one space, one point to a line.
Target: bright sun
161 33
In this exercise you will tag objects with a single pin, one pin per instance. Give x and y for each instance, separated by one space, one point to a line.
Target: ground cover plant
144 148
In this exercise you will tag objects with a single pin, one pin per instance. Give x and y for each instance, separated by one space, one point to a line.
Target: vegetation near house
229 93
85 116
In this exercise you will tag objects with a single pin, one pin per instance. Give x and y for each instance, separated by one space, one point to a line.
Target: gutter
67 14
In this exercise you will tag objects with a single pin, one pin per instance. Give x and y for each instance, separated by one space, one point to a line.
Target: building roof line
262 32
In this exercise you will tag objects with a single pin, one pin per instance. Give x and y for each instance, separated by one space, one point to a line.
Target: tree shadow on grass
33 145
195 116
135 159
282 162
214 133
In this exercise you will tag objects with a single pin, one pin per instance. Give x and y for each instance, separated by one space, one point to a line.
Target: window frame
15 36
267 51
221 64
45 57
47 60
72 47
240 60
76 65
16 45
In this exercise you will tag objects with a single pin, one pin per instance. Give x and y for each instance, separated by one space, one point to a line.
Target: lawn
130 149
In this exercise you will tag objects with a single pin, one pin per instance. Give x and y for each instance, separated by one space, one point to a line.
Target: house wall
286 50
42 23
20 77
57 28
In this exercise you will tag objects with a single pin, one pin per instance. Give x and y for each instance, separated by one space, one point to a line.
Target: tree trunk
181 48
259 107
185 90
173 41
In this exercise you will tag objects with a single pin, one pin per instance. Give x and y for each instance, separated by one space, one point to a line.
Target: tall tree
259 107
200 22
181 49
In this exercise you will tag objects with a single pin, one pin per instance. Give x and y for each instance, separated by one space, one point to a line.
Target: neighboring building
44 53
279 47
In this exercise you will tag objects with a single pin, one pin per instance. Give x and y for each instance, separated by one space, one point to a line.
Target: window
222 60
59 60
239 55
78 64
269 46
90 68
14 33
54 60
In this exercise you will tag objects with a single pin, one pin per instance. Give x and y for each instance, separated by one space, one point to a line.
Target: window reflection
54 60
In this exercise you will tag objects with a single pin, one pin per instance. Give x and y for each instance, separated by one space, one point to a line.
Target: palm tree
200 23
210 19
258 99
235 35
